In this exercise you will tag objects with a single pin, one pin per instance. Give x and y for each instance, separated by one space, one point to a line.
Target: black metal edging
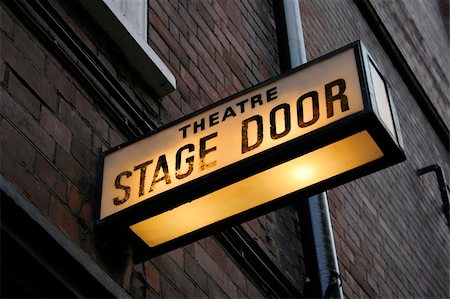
405 72
48 26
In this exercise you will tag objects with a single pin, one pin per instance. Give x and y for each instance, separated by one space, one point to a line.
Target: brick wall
53 130
419 29
391 236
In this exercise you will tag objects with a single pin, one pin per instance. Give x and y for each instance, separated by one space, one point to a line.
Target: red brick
192 267
29 47
24 180
191 52
182 89
64 219
53 126
168 290
208 9
223 93
238 83
223 40
158 10
169 39
171 111
73 198
78 127
115 138
207 54
4 72
204 14
174 16
24 96
224 68
51 177
87 215
207 263
237 71
72 169
201 23
178 277
233 12
23 150
236 274
91 115
37 82
187 18
98 145
203 82
220 12
85 157
178 256
6 22
153 277
229 287
159 44
174 61
214 290
59 79
206 72
190 81
23 121
137 288
174 30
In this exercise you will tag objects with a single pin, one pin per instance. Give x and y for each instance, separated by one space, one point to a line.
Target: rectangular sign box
315 127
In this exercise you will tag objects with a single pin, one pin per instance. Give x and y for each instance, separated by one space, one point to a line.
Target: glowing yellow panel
319 165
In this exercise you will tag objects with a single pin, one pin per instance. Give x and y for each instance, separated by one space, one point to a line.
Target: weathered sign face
288 134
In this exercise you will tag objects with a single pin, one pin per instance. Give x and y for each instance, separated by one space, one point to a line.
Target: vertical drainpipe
315 223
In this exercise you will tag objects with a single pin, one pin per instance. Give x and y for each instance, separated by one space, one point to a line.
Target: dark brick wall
391 236
419 29
53 130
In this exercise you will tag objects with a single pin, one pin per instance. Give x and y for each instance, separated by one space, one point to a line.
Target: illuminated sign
318 126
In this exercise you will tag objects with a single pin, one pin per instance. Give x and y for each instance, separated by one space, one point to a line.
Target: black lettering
184 129
287 121
214 119
256 99
143 168
204 152
117 201
189 161
339 96
200 125
259 123
315 105
162 163
228 112
241 105
271 94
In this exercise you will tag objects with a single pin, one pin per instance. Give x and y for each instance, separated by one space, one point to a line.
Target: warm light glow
303 172
319 165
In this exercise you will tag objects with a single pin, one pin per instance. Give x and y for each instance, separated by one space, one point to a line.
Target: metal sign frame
367 119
